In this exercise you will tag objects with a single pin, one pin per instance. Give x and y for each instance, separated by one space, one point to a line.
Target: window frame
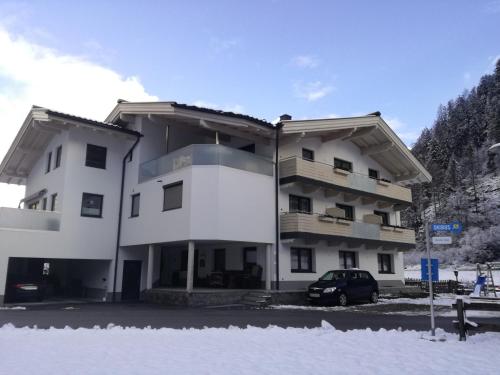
132 200
339 164
386 217
352 209
300 198
342 259
376 176
99 216
308 252
92 162
380 259
49 162
169 186
305 157
58 157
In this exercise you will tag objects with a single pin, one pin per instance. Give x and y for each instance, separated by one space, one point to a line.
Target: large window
307 154
96 156
49 162
347 259
53 201
349 211
385 263
299 204
58 157
136 202
301 259
92 205
384 216
342 164
172 196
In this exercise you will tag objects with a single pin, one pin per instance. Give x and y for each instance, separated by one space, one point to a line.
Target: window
91 205
373 173
219 260
349 211
385 263
44 204
249 256
299 204
307 154
33 206
53 201
384 216
172 196
58 157
301 259
347 259
49 162
342 164
136 202
96 157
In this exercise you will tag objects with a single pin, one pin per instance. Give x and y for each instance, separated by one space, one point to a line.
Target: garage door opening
48 279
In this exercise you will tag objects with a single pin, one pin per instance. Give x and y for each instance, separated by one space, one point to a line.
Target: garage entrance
44 279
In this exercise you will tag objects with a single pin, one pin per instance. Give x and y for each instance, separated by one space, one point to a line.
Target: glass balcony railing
16 218
205 154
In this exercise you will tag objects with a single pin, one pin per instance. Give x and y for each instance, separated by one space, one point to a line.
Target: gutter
276 203
120 211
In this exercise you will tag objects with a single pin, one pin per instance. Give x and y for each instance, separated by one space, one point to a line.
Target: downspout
119 229
276 202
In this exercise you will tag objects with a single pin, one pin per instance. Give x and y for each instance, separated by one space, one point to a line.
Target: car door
366 284
353 283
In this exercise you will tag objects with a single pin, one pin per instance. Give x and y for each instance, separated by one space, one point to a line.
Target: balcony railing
302 224
205 154
16 218
327 176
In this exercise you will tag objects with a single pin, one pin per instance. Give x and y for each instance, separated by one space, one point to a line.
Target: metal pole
429 275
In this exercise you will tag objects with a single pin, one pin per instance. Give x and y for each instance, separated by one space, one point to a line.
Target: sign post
429 274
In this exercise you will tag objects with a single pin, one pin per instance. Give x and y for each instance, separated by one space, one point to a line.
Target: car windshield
333 275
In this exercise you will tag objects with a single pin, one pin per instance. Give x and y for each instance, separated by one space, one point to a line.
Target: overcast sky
264 58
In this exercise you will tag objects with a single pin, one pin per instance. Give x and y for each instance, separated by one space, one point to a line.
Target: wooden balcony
313 175
320 227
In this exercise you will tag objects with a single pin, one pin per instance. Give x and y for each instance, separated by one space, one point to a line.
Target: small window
249 257
91 205
342 164
349 211
385 263
136 202
58 157
301 259
384 216
44 204
307 154
373 173
172 196
53 201
347 259
49 162
299 204
96 156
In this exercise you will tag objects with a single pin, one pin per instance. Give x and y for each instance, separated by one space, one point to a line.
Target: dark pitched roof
98 124
224 113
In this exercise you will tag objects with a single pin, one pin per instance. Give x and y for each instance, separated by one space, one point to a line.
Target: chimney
285 117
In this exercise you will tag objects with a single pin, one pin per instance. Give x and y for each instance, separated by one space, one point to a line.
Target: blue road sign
454 227
434 269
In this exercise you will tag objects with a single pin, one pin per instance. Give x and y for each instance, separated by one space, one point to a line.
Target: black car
343 286
22 289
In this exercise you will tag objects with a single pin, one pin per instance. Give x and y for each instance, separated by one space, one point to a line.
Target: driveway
142 315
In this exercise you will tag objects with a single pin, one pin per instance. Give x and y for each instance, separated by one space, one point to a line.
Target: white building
175 196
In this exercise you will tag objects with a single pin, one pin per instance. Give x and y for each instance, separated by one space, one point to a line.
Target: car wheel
342 299
374 297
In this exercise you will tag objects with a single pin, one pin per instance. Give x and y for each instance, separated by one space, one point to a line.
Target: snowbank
242 351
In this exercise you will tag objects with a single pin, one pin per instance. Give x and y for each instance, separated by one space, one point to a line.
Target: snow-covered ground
243 351
465 275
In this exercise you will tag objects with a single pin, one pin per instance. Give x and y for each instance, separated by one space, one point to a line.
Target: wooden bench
475 303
